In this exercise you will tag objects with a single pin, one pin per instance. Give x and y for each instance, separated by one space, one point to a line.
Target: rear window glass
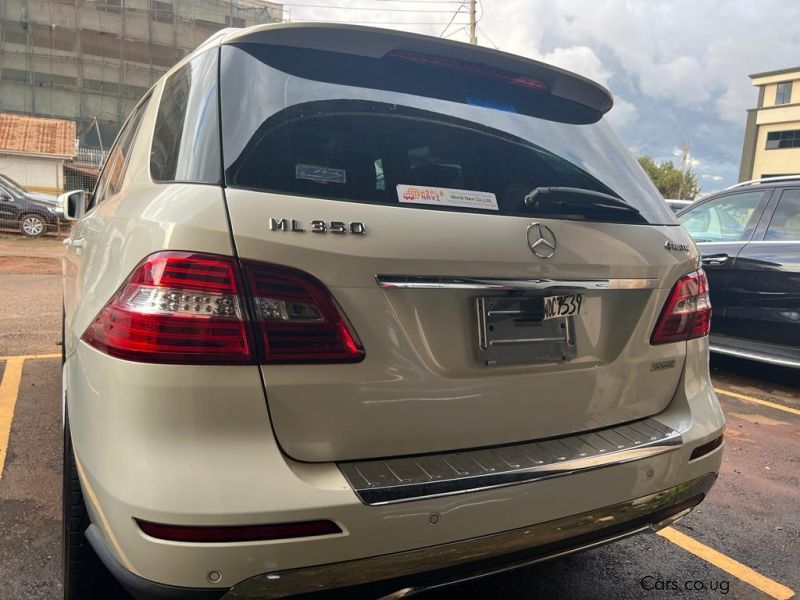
288 134
729 218
186 137
785 224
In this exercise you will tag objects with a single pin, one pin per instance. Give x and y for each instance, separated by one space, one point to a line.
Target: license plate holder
518 331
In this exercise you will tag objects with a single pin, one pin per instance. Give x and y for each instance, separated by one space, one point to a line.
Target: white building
33 151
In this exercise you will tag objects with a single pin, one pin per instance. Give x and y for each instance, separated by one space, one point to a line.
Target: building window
235 21
783 139
162 11
114 6
783 95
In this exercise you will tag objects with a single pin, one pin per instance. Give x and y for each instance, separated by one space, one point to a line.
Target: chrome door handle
715 260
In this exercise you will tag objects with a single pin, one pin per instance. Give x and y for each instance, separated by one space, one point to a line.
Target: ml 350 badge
355 227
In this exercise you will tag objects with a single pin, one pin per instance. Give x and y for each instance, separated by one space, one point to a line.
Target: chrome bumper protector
498 284
412 478
407 573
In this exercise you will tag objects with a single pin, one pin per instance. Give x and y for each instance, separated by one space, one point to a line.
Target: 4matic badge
354 228
670 245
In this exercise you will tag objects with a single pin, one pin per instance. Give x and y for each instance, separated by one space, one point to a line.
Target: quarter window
186 136
783 94
110 181
785 224
783 139
729 218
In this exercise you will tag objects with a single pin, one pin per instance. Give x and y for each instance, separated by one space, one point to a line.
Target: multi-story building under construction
92 60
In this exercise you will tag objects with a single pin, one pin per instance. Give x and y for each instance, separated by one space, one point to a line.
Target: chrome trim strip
524 546
491 283
762 180
414 590
755 242
778 242
379 482
757 356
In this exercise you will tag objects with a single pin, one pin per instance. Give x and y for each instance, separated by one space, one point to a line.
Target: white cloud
689 52
578 59
623 113
691 160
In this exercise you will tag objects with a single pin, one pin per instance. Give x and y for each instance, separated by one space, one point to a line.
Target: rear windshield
473 152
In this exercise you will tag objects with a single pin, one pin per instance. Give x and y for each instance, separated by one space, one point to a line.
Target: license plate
556 307
515 330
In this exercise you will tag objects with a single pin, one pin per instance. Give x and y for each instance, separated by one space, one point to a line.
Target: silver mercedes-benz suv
363 309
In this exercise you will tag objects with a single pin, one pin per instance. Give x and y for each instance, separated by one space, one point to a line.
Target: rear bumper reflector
391 480
706 448
238 533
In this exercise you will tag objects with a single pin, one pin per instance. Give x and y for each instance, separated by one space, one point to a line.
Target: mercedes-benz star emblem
541 240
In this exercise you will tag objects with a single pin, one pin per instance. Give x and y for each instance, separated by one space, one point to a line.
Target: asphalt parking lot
742 542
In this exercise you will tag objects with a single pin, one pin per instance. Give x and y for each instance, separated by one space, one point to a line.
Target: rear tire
32 225
85 577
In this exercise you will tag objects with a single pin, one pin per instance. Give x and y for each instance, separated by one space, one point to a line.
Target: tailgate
423 385
402 173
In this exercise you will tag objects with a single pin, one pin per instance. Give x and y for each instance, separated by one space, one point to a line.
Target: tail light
687 313
297 317
175 307
183 307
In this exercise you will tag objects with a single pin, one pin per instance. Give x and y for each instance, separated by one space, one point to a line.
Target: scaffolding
92 60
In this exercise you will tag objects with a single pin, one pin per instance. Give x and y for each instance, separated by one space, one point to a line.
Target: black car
749 236
677 205
31 213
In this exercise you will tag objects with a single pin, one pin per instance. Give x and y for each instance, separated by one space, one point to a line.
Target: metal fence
81 172
31 215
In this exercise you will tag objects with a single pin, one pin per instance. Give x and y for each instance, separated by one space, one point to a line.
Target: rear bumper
407 573
200 456
138 587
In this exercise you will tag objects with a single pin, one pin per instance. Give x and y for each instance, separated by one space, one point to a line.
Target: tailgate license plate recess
527 330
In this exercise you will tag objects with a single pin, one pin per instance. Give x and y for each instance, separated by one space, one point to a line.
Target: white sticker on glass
423 194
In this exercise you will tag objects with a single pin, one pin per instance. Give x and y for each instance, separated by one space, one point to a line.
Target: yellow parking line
793 411
27 356
9 388
727 564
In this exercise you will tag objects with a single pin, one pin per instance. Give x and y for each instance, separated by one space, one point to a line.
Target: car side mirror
71 205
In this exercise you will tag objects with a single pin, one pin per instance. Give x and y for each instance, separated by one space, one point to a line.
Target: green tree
667 178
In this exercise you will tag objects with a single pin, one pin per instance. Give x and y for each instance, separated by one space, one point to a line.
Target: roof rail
763 180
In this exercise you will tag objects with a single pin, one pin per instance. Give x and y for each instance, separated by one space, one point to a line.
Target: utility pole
684 161
473 38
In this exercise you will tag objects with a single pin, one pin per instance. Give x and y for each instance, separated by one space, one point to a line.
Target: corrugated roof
37 135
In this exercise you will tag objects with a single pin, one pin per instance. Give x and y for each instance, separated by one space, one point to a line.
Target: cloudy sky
678 69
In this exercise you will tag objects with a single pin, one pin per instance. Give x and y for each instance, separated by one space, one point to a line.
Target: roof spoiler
373 42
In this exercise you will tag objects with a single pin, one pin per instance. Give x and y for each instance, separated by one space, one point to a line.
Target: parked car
749 236
677 205
357 307
32 213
